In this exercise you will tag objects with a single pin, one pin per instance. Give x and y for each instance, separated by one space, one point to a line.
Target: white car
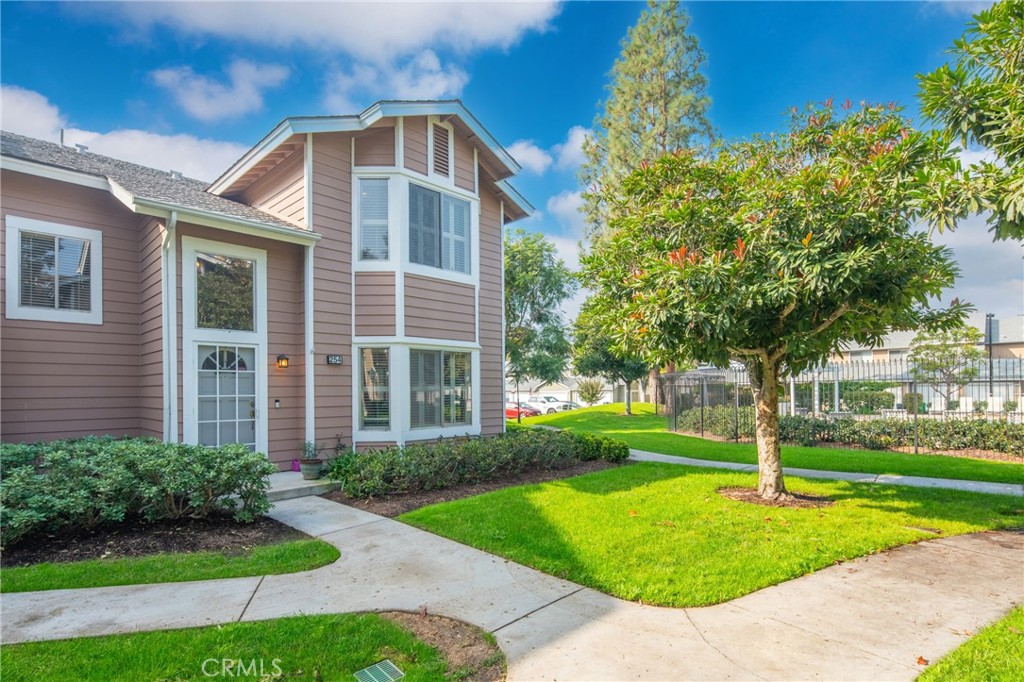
548 404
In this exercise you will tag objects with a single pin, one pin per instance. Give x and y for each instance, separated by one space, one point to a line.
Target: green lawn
285 557
662 534
996 654
302 648
646 431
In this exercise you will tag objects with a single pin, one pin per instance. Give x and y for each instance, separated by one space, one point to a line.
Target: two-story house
343 279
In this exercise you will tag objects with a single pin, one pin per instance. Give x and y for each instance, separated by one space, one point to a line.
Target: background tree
536 284
775 252
947 360
594 353
657 103
980 99
590 391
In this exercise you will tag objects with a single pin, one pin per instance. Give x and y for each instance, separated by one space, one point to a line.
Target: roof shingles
141 181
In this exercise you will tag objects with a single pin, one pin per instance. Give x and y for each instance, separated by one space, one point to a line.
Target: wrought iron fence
974 410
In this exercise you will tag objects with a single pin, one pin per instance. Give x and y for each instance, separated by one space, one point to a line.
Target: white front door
224 344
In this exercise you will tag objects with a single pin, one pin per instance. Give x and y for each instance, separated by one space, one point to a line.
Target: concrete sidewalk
890 479
865 619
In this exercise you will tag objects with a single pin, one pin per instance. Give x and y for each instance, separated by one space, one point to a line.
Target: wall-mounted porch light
282 362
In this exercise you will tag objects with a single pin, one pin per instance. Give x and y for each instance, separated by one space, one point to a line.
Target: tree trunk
629 397
653 382
764 381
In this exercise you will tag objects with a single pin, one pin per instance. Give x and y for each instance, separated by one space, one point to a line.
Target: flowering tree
776 250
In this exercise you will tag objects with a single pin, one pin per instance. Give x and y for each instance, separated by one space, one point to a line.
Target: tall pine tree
657 104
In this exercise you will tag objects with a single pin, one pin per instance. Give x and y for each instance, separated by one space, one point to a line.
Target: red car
514 410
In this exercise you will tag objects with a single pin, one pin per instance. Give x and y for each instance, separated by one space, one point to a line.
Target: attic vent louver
441 151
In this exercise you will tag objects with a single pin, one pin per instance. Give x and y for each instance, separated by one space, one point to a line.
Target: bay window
439 226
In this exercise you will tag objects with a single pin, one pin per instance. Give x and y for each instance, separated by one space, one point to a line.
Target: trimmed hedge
874 434
448 463
90 481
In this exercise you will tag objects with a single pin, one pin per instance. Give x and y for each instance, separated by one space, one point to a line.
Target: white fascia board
268 144
515 197
54 173
222 222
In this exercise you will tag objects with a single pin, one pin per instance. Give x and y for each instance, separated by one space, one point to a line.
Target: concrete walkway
865 619
891 479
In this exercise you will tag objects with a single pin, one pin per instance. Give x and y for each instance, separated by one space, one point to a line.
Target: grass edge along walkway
995 654
663 535
646 431
274 559
330 647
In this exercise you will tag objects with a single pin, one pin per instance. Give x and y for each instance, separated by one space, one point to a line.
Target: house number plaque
333 359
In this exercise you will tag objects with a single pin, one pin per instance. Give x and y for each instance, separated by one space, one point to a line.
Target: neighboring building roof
141 182
494 157
1004 330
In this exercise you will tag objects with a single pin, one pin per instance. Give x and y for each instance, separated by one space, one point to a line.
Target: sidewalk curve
865 619
889 479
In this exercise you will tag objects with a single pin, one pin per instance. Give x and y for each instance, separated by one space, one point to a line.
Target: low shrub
95 480
868 402
874 434
449 463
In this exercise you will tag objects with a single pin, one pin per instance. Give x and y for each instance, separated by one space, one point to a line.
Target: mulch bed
395 505
792 501
463 645
136 538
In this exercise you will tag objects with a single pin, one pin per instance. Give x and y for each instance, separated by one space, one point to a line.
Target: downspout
170 344
307 300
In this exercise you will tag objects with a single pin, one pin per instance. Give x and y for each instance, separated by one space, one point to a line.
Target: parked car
548 404
570 405
515 410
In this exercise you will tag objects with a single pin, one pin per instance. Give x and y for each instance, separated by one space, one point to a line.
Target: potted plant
311 465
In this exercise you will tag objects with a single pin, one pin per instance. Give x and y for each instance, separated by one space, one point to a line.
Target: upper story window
54 272
439 226
373 218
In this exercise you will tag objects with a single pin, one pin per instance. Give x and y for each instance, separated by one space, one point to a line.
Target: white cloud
566 206
210 100
420 77
376 32
29 113
570 152
969 157
530 156
991 273
964 8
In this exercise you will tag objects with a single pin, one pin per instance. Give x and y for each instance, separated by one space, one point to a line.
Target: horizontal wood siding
414 130
375 304
62 379
151 331
332 296
438 309
492 396
465 169
376 146
282 190
285 274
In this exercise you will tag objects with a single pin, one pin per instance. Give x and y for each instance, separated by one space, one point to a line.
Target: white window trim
449 180
15 225
192 337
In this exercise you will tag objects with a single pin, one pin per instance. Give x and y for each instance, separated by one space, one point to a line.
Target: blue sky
190 86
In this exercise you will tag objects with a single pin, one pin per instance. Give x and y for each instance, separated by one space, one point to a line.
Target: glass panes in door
227 395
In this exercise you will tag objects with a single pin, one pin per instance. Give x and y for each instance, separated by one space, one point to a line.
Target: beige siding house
342 281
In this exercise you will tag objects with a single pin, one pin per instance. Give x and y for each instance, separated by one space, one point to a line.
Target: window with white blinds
373 219
439 230
54 272
375 388
440 388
